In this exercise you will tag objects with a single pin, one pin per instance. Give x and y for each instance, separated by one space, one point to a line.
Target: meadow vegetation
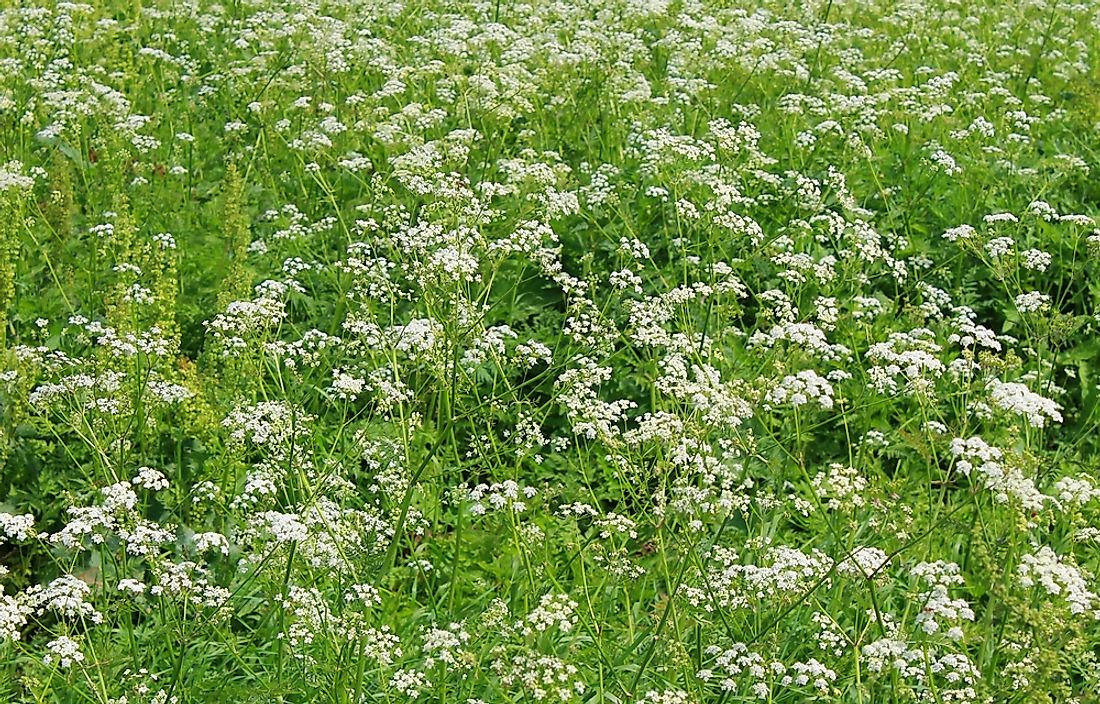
592 351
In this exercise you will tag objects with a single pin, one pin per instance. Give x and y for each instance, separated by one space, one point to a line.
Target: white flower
65 651
132 586
1018 399
285 527
17 527
999 246
1032 302
553 611
1036 260
211 541
800 389
1056 577
151 479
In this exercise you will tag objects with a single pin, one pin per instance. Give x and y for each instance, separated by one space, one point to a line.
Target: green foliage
666 352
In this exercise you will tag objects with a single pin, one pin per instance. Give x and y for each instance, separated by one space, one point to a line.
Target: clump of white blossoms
151 479
1074 492
64 651
961 232
554 612
1016 398
905 358
865 561
702 387
1032 302
410 683
14 613
1045 569
938 608
841 488
591 417
953 675
729 583
19 527
1006 480
668 696
500 496
541 677
1036 259
446 646
800 389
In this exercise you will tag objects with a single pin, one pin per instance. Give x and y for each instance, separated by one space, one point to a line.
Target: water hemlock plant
575 351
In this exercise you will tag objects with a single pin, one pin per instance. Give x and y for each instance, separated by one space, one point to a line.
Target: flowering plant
648 351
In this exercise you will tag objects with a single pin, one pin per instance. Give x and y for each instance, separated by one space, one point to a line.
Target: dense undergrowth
669 352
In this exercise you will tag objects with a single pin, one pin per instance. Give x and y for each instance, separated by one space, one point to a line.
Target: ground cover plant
624 351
